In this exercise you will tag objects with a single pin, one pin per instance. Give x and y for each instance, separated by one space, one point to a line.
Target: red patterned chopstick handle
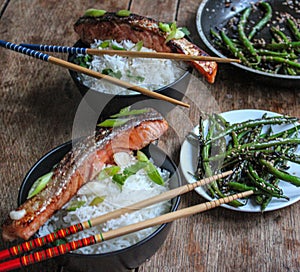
48 253
4 254
40 241
10 265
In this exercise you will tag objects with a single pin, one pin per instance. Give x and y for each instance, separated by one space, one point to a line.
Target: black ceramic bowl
105 104
212 14
121 260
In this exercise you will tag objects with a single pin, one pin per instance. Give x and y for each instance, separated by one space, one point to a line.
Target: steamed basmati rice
136 188
149 73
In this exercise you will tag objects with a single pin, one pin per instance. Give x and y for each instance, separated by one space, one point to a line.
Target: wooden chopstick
78 68
159 55
125 53
115 81
60 234
98 238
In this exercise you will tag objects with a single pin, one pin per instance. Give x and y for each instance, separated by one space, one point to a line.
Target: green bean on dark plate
258 155
241 38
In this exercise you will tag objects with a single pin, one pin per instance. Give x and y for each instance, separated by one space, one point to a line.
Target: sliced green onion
94 12
127 112
153 174
141 156
110 72
83 60
142 163
75 205
97 200
113 122
39 184
164 27
173 29
179 34
138 78
139 45
108 172
104 44
134 168
119 179
185 31
116 47
123 13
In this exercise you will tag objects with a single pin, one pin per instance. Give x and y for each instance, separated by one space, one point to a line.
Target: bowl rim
75 77
212 48
174 206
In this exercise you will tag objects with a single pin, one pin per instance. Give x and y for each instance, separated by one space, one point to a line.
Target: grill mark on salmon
139 28
80 165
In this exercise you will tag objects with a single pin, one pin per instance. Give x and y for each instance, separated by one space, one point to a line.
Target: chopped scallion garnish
109 172
111 73
94 12
104 44
97 200
123 12
185 31
139 45
153 174
75 205
116 47
141 156
138 78
39 184
164 27
113 122
127 112
150 169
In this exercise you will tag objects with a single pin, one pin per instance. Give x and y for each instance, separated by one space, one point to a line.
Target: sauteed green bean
240 38
258 156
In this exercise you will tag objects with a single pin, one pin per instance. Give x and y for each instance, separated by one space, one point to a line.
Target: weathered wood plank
3 5
221 240
39 102
156 9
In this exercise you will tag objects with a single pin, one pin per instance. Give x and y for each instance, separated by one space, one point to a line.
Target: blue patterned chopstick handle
56 48
24 50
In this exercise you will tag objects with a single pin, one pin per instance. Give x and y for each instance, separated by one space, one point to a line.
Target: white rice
155 73
136 188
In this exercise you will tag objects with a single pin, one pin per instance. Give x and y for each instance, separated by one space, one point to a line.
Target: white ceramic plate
188 163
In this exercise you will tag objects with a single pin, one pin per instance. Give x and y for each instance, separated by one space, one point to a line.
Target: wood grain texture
38 105
3 5
156 9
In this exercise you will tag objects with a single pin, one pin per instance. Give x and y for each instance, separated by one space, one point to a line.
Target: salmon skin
80 165
137 28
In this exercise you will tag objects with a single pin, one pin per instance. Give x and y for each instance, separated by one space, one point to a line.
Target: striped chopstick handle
41 241
49 253
24 50
56 48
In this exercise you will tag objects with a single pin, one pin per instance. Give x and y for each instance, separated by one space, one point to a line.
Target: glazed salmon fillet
81 165
137 28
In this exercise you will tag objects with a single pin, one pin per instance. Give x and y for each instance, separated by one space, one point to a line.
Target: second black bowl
121 260
105 104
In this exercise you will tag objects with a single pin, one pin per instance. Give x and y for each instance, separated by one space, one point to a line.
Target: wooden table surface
39 102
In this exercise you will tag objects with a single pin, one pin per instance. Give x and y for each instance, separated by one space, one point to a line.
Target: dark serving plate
216 13
121 260
105 104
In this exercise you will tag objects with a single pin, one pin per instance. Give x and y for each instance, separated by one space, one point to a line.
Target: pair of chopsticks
33 50
98 238
80 69
125 53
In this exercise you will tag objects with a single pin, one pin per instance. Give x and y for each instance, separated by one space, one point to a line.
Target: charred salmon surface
80 165
137 28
